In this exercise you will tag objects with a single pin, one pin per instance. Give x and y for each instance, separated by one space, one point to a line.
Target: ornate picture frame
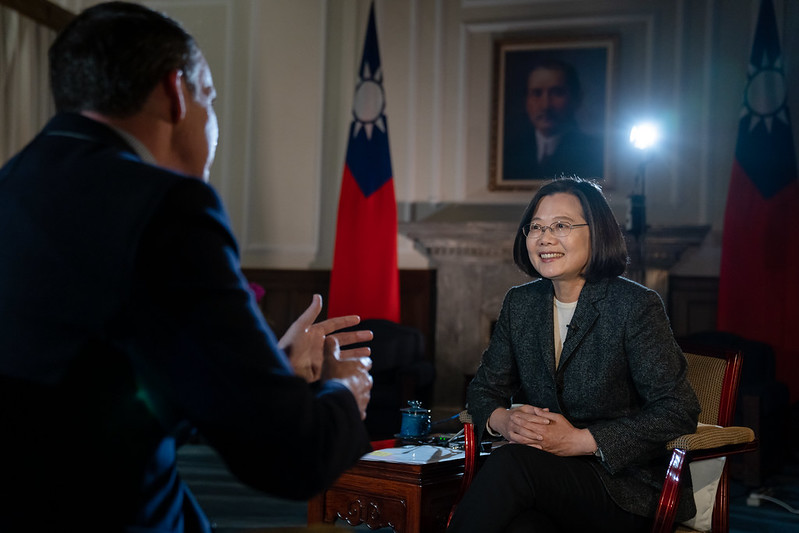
551 110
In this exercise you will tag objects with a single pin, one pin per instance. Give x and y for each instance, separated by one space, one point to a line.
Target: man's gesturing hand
304 341
352 372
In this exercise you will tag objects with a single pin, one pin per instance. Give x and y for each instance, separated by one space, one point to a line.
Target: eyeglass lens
559 229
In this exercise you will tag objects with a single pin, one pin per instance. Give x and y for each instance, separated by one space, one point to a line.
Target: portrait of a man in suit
549 123
554 144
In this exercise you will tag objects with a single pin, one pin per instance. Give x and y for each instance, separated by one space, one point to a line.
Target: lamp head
644 135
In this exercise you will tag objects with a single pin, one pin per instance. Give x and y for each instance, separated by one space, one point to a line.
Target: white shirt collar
546 145
137 146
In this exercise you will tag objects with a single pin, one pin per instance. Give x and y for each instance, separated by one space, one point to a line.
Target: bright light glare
644 135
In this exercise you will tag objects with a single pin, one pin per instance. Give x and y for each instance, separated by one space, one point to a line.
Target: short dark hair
112 55
608 249
570 76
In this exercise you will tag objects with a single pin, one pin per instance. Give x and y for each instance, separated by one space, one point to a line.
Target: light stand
636 222
636 207
643 137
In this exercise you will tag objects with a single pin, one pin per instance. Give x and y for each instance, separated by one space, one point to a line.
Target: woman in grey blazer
582 376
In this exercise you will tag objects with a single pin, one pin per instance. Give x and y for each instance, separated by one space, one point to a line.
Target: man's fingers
346 338
309 315
356 353
339 322
357 364
366 362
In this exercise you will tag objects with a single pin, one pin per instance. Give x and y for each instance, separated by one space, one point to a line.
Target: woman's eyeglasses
558 229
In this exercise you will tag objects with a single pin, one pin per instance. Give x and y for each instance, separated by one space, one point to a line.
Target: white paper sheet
414 454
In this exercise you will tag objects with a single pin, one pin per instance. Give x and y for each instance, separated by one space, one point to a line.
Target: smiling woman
592 356
560 255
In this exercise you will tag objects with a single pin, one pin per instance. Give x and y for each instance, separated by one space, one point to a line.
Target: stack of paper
414 454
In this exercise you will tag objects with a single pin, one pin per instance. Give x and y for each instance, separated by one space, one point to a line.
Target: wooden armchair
714 374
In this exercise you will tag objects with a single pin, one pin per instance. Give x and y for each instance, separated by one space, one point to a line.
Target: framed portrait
551 110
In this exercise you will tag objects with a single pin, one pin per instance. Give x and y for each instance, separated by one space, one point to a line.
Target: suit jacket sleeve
497 377
212 360
667 406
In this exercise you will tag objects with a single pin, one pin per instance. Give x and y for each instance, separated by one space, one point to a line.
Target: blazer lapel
546 333
584 317
543 326
533 329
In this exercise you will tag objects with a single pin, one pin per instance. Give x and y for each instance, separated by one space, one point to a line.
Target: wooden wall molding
692 304
288 293
44 12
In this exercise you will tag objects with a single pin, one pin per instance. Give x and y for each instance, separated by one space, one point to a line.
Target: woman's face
561 259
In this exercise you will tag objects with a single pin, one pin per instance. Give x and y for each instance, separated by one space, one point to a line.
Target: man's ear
173 85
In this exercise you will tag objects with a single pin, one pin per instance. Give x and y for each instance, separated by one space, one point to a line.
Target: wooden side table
410 498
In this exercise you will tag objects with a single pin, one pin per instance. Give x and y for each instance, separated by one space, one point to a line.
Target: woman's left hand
558 436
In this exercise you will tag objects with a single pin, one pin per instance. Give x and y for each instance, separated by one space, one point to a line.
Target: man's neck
138 135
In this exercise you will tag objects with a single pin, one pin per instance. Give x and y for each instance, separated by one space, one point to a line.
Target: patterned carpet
231 506
776 510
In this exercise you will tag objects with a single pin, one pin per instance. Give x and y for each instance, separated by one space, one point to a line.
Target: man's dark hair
608 257
111 57
571 78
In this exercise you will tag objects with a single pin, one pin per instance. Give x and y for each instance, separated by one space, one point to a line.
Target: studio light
645 135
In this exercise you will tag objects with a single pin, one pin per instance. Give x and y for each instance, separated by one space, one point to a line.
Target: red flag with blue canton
365 277
759 280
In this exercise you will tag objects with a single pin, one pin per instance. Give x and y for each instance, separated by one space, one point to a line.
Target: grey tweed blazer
621 375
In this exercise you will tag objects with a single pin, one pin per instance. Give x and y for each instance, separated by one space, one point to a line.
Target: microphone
575 327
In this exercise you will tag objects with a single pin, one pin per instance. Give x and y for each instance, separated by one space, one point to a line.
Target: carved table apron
410 498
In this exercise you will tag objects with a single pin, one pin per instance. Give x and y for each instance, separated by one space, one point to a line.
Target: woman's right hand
519 425
537 427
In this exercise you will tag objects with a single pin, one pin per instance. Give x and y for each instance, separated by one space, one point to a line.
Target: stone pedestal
474 269
656 252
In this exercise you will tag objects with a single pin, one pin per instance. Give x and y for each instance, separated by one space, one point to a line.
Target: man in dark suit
125 321
551 144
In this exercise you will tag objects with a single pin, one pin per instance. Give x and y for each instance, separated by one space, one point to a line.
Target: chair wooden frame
717 398
707 442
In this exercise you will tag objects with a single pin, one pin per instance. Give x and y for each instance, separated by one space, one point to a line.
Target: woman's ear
173 85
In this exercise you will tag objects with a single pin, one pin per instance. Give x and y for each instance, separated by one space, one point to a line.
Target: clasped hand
314 351
542 429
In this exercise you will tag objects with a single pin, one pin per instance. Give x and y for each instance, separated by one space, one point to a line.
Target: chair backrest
394 345
714 374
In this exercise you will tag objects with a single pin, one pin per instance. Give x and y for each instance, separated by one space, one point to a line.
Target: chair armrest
707 443
471 452
707 437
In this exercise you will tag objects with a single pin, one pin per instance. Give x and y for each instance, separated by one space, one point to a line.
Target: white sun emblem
369 102
765 94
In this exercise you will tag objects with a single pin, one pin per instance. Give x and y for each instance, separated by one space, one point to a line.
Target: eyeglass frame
528 227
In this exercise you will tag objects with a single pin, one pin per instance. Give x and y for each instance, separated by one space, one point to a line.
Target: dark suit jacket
577 154
125 320
621 375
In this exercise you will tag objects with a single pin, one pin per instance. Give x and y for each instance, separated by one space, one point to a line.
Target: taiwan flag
759 280
365 277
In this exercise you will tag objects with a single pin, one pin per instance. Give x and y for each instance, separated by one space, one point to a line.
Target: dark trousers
523 489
